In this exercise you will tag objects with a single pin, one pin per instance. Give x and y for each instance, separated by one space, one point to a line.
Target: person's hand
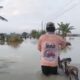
68 44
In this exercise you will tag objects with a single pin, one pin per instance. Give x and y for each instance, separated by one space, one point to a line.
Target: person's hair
50 27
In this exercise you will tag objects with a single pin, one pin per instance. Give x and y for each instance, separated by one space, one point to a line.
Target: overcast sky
25 15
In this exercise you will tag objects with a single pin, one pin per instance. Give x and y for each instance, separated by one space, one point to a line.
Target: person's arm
39 44
62 42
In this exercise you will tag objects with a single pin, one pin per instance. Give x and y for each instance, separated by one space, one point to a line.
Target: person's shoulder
42 36
58 36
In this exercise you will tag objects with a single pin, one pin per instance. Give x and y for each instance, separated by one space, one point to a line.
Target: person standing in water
49 45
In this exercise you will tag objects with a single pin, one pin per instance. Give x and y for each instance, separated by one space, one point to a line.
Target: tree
34 33
64 29
37 34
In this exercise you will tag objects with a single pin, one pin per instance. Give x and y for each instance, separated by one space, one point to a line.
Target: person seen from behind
49 45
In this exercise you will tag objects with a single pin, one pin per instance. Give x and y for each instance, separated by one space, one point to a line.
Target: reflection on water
34 41
71 38
2 42
14 44
4 65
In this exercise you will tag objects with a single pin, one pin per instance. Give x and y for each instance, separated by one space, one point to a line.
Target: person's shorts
47 70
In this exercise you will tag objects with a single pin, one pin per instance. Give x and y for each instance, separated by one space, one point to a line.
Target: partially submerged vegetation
14 38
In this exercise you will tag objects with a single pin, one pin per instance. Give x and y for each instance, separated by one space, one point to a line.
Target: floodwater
21 61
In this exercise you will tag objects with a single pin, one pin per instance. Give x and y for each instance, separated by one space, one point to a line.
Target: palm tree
1 6
64 29
2 18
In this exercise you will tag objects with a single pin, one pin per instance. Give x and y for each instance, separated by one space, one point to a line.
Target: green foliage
64 29
36 34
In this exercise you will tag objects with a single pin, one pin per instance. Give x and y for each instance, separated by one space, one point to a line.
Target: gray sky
24 15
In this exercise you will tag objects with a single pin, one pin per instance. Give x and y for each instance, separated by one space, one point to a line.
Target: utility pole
42 26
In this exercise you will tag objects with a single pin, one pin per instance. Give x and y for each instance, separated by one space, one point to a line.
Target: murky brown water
21 61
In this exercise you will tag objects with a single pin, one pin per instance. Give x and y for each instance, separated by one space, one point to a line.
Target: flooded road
21 62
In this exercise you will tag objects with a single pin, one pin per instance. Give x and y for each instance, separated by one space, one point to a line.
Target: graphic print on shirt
50 52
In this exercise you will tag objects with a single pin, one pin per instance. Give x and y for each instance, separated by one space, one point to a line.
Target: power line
42 25
60 13
65 11
69 7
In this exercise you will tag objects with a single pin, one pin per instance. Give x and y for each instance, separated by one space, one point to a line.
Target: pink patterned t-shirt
49 46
